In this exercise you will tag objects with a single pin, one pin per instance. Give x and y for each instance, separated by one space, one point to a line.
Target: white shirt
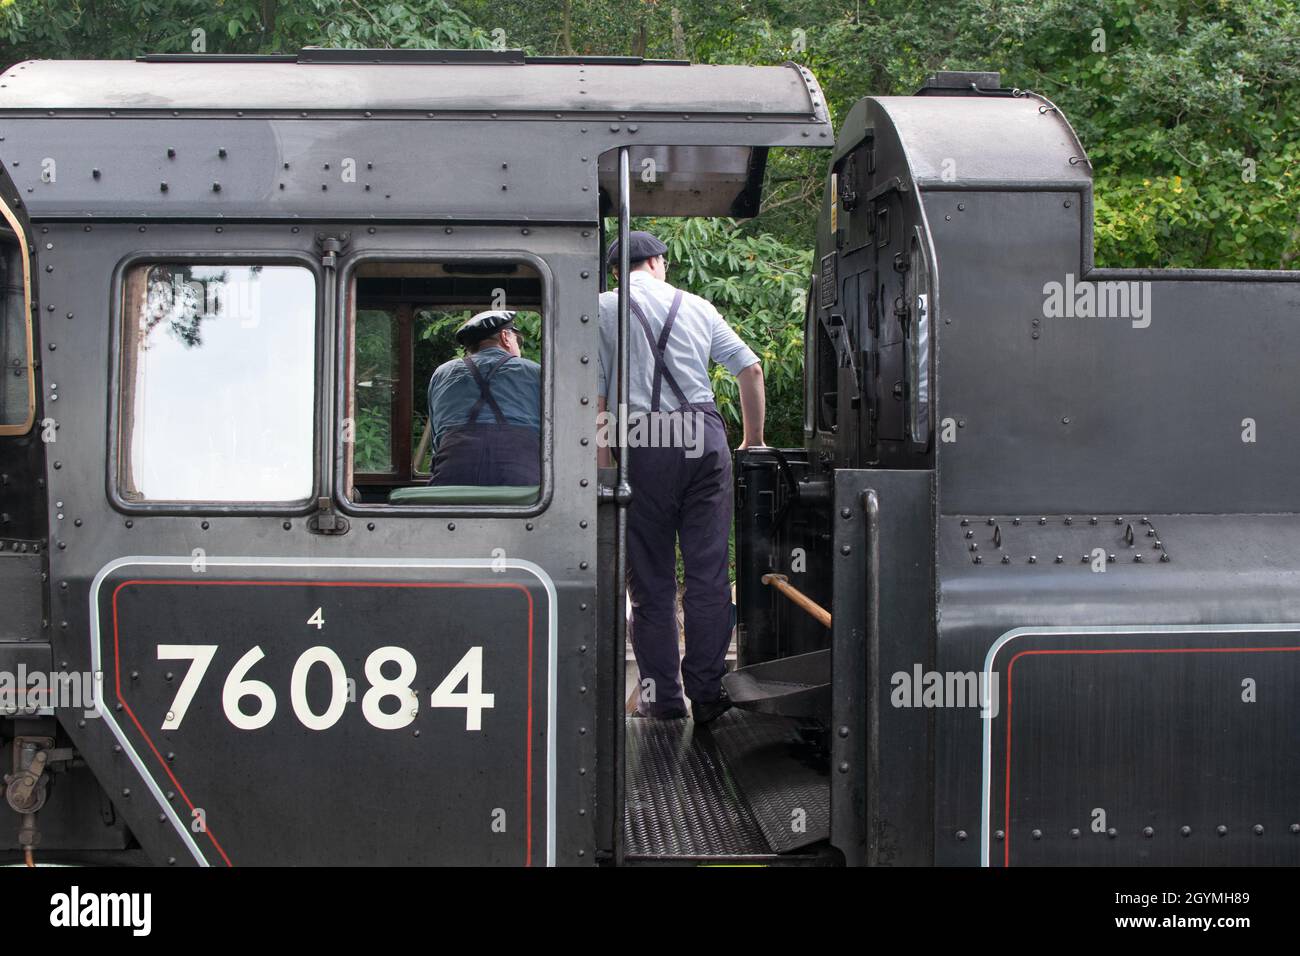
699 334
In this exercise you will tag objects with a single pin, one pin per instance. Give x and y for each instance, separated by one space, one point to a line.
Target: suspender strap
484 390
657 350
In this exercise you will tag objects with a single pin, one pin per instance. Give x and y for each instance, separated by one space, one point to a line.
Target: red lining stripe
1006 855
528 771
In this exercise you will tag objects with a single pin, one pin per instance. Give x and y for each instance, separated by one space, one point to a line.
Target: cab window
402 330
17 393
217 384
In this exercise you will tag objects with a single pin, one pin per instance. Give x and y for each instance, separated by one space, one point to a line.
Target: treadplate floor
685 797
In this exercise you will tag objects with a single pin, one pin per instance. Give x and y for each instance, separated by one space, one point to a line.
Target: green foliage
114 29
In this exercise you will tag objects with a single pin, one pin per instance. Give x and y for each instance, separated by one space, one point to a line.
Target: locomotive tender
290 649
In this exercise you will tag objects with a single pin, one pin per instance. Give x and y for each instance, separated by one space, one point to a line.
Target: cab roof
406 80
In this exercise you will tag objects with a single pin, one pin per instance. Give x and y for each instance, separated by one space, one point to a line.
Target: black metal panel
1054 413
1147 748
880 806
22 582
559 541
1228 576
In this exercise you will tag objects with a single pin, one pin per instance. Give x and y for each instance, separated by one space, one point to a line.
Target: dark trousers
488 455
677 497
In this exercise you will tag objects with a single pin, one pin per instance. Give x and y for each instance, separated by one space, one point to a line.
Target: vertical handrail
871 508
622 497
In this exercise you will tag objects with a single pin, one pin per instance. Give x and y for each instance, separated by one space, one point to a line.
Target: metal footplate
748 785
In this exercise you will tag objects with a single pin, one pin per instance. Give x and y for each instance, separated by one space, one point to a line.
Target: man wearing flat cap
681 492
485 408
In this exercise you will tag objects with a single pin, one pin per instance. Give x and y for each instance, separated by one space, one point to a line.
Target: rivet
961 835
370 526
451 526
1074 833
1033 559
216 187
999 835
846 550
1112 833
1042 521
1060 559
287 526
1148 832
1036 834
846 513
1185 831
529 526
964 521
582 565
1259 829
844 767
1221 830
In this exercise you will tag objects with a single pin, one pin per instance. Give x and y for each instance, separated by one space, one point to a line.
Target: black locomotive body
1048 505
1058 564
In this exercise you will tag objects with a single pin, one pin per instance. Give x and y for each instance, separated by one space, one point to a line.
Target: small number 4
318 619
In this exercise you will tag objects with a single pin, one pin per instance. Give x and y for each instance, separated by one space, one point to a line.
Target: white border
106 713
1134 629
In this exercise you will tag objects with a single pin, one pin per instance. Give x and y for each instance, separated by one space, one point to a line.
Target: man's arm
753 405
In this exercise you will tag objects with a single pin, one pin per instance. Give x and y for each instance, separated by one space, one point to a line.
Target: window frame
116 357
346 307
16 225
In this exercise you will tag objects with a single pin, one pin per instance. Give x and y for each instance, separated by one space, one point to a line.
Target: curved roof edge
458 84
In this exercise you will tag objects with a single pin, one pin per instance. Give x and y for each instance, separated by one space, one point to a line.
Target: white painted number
318 619
381 687
470 670
236 689
201 655
338 688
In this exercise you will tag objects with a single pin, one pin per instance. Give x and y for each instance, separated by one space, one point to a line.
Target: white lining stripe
181 828
1136 630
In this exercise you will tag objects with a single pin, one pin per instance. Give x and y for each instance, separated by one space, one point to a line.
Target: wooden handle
782 584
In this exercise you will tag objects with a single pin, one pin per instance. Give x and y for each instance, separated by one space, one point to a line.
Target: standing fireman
681 492
485 408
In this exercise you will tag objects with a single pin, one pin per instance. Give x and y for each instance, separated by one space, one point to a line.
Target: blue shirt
516 386
699 335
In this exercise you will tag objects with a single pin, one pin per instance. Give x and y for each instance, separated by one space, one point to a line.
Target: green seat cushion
464 495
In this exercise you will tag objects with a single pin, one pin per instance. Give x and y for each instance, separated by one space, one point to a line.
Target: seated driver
485 408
